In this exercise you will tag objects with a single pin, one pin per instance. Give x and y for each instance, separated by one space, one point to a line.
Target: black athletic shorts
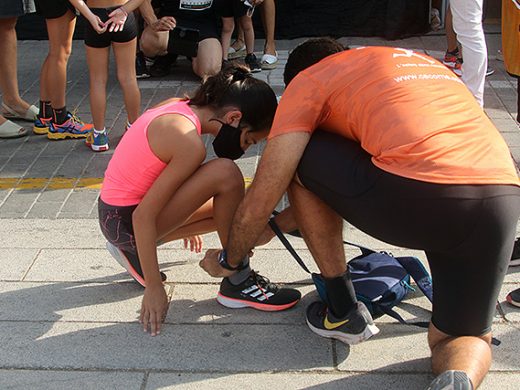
52 9
466 231
116 225
231 8
93 39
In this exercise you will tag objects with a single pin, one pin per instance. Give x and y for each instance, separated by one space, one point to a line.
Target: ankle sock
45 110
100 131
340 294
60 115
240 276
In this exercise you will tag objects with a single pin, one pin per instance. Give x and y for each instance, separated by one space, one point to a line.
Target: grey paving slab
287 381
80 202
18 203
406 344
14 263
195 348
66 380
42 209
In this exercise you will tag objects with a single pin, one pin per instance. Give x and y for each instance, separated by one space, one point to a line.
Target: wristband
222 260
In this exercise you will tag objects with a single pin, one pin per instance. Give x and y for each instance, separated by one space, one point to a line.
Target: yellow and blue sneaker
41 125
73 127
355 327
97 140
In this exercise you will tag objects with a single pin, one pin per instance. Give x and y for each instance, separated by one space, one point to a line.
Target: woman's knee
225 171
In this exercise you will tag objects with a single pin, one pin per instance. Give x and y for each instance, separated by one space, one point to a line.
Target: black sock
340 294
45 110
60 115
240 276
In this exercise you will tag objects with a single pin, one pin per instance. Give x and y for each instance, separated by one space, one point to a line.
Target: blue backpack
380 280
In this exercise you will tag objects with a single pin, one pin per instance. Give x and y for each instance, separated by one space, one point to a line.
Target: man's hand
166 23
153 308
211 265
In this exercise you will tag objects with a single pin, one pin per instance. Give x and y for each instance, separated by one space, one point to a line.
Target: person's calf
468 354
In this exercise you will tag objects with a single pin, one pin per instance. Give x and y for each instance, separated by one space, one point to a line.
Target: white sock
99 131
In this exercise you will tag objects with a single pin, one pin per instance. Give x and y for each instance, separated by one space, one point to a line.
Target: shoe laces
263 283
74 117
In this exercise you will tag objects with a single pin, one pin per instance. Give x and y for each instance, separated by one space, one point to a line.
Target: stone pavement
68 312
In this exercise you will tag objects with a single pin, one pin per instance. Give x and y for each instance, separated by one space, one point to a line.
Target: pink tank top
134 167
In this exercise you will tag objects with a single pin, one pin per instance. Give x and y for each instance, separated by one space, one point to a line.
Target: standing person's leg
124 55
97 60
467 23
268 12
209 58
53 80
228 25
14 105
249 35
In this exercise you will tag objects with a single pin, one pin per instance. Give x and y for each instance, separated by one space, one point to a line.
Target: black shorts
93 39
116 225
52 9
206 30
466 231
231 8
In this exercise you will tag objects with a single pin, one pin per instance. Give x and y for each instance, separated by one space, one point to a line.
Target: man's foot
141 70
73 127
41 125
489 71
257 292
514 297
253 63
130 263
354 328
162 65
451 380
515 256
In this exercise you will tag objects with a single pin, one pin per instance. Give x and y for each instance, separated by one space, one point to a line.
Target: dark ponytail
235 86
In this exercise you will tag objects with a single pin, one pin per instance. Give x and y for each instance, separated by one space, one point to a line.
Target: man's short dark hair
309 53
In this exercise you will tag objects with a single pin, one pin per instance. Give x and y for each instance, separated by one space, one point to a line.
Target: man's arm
275 171
147 12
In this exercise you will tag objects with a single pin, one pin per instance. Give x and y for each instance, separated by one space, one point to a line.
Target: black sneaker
354 328
514 297
253 63
141 70
515 257
162 65
451 380
489 71
130 263
257 292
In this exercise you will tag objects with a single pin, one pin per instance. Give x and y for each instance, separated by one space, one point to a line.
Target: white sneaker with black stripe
257 292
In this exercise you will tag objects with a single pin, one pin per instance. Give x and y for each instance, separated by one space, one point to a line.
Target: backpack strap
287 244
419 274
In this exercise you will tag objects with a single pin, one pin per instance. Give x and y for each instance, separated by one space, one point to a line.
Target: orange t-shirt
411 113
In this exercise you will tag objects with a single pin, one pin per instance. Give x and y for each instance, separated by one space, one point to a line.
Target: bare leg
467 353
268 13
209 58
53 78
322 230
228 25
97 59
8 67
154 43
451 37
249 33
125 61
219 180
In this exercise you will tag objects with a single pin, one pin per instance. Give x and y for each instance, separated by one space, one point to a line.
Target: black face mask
227 142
